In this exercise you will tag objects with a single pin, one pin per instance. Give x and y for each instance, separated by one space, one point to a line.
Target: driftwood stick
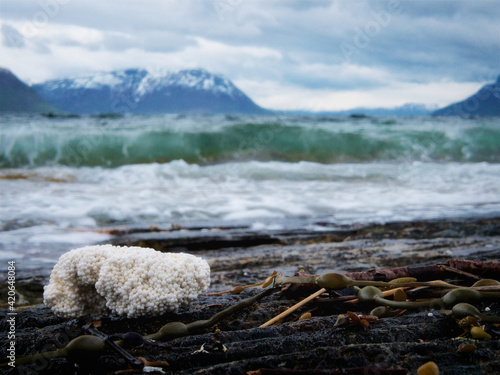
393 273
489 269
459 272
293 308
486 269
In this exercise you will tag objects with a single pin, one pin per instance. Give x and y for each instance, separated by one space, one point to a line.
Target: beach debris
169 331
479 333
459 272
380 311
486 282
81 350
127 281
201 350
130 339
337 281
352 318
429 368
373 294
290 310
490 268
385 293
305 316
462 310
466 348
238 289
400 295
402 280
93 345
174 330
153 363
341 321
147 369
133 362
466 324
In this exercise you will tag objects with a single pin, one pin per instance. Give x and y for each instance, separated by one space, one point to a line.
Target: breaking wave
110 142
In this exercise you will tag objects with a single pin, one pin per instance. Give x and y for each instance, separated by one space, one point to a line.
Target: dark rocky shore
235 345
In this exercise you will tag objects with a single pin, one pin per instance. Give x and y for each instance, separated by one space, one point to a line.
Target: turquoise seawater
112 142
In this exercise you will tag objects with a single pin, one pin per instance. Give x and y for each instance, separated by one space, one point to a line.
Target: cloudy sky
295 54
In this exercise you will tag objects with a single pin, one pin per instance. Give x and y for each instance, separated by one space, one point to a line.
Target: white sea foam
177 191
267 189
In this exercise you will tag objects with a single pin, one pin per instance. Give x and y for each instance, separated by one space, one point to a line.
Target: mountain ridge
142 91
188 91
18 97
485 102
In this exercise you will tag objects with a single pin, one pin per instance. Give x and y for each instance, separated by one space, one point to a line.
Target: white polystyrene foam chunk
131 281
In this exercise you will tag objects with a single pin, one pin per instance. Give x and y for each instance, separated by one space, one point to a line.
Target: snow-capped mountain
143 91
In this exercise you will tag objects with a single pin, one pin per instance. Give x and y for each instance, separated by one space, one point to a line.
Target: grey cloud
11 37
428 47
419 41
163 41
302 5
42 48
334 81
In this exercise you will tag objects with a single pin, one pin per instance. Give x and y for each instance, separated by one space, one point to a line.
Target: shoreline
241 254
238 257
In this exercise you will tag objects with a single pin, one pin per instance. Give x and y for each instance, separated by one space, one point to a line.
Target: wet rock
237 345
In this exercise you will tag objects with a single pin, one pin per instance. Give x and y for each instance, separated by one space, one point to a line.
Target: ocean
64 179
